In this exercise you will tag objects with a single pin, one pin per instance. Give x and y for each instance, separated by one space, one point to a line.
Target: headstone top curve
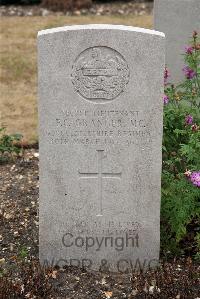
100 27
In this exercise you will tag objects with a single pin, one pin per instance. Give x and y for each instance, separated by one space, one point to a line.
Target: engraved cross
100 175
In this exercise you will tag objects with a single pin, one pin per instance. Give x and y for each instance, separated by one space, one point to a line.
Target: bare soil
22 277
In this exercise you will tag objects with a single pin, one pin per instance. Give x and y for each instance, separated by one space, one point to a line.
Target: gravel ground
22 277
113 8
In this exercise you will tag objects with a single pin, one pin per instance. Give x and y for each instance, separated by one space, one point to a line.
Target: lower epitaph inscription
100 112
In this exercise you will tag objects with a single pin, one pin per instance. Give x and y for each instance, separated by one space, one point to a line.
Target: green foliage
23 253
22 2
65 5
8 145
180 209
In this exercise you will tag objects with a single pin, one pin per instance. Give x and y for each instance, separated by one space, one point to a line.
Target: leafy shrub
71 4
180 210
64 5
8 145
21 2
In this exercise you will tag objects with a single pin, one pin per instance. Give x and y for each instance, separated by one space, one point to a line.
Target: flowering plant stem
180 207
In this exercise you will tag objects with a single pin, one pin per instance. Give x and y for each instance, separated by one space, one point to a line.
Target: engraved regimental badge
100 74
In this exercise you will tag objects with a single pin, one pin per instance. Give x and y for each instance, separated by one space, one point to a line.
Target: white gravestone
177 19
100 111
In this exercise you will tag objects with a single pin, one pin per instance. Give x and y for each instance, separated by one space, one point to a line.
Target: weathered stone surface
177 19
100 110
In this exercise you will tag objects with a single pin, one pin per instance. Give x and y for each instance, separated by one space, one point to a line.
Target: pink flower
195 128
195 178
189 50
189 120
189 73
165 100
188 173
